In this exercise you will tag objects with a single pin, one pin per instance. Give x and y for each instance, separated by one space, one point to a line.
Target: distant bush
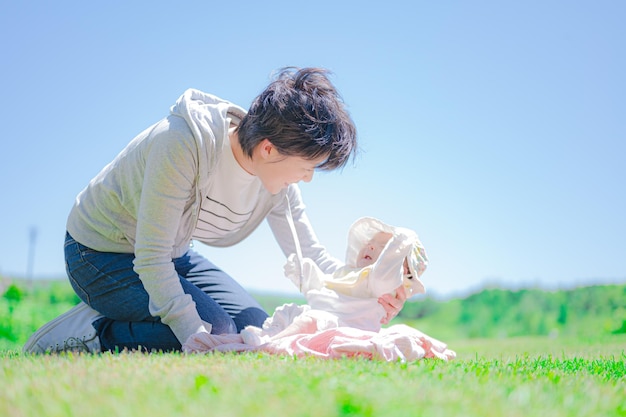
24 307
585 311
13 294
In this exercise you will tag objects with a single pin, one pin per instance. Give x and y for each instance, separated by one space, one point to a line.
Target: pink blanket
395 343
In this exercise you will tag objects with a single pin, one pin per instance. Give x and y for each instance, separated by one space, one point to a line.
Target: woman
211 172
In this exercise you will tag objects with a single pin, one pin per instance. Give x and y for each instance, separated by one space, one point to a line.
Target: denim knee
251 316
222 324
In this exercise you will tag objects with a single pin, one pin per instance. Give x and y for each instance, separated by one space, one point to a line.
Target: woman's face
277 171
371 251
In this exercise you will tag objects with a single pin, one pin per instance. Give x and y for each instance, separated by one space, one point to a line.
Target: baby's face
371 251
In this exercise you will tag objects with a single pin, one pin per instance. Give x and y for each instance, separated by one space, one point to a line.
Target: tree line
585 311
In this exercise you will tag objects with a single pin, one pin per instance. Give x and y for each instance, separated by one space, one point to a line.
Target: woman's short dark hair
302 114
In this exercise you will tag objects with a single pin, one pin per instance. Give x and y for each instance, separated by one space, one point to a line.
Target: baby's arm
387 272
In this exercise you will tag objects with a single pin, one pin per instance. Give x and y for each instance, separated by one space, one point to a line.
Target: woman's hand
200 341
392 304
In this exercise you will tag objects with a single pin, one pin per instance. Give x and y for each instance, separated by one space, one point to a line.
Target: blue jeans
107 282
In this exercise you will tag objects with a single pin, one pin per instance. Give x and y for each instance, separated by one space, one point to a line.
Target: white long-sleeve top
147 202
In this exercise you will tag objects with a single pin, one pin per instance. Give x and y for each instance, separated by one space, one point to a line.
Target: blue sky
496 130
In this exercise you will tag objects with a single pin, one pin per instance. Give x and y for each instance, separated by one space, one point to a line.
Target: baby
379 259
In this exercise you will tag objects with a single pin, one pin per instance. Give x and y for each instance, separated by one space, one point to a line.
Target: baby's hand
403 235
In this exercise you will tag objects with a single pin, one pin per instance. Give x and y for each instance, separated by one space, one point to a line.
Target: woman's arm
311 246
167 191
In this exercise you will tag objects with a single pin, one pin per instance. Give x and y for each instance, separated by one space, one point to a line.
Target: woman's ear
266 149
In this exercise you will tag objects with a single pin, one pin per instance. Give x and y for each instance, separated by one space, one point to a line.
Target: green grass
507 377
564 375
